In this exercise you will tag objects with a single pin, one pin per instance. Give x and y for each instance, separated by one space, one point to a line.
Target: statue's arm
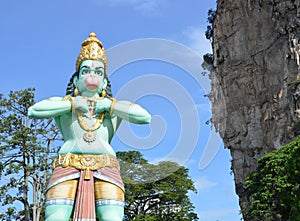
51 107
126 110
131 112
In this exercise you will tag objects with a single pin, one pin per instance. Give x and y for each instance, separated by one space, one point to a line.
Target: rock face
255 79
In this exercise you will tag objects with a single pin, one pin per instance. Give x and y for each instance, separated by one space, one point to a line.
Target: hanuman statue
86 183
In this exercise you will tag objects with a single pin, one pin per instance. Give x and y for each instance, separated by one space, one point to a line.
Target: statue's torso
73 135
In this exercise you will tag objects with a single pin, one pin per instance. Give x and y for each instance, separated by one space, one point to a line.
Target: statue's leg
109 201
60 201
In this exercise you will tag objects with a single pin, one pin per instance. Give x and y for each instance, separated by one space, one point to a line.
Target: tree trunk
255 79
26 160
34 193
25 198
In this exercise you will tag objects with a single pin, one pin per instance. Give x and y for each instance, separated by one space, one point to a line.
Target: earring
76 91
103 93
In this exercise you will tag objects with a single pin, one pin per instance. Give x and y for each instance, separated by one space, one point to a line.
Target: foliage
274 188
209 29
209 58
155 192
24 157
296 128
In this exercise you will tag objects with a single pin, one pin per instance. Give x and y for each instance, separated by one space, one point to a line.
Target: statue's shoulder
55 98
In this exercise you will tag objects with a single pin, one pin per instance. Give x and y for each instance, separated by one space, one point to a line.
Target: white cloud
190 163
148 7
204 107
195 38
222 214
167 158
203 184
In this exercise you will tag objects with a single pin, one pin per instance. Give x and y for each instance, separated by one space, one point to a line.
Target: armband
71 99
112 105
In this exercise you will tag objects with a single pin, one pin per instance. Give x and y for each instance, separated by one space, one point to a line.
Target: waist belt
86 162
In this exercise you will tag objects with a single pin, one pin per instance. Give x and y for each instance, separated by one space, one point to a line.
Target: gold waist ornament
86 162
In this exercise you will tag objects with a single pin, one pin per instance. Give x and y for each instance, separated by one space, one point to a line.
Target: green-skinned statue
86 183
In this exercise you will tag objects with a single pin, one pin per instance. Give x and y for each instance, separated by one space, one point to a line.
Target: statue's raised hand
103 105
81 104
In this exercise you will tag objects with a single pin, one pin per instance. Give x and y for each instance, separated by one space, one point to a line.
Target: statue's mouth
92 86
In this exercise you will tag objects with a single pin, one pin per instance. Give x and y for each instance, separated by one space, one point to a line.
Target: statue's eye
99 73
85 72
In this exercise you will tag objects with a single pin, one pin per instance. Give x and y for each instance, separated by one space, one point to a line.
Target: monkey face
91 77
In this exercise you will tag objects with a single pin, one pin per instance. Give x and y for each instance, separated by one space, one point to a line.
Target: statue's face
91 77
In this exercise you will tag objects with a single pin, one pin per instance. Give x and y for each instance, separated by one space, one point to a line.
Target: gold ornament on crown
91 49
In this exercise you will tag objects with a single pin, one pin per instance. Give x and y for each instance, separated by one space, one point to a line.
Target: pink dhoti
84 200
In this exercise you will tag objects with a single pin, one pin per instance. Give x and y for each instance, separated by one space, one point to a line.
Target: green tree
274 188
155 192
208 58
24 157
209 33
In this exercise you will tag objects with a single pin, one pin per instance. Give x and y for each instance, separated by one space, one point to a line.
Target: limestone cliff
255 79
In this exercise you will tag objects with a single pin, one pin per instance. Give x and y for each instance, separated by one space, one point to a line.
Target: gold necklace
89 136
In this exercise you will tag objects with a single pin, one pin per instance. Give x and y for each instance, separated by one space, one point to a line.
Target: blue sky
154 50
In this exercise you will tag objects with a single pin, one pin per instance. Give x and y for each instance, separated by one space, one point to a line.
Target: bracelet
71 99
112 105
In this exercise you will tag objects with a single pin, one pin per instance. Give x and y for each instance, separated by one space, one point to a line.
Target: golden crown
91 49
